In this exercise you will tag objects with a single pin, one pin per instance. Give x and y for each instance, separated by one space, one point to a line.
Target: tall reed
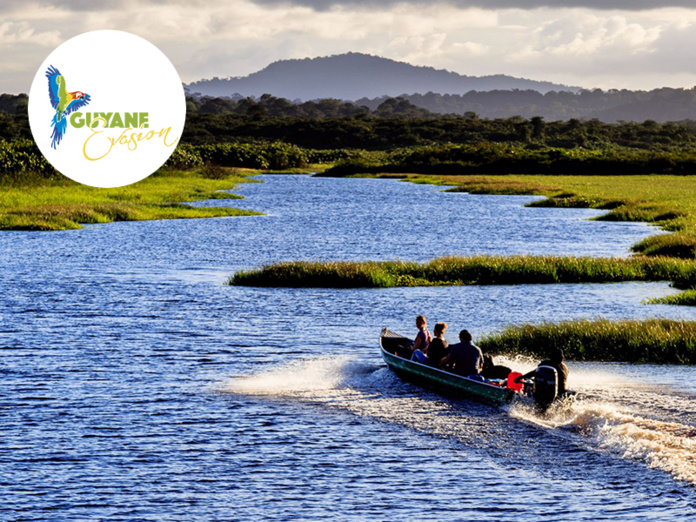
657 341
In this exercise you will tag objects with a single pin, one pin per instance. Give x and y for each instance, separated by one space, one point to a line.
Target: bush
21 160
653 341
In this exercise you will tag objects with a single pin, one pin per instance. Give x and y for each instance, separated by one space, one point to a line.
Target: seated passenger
492 370
465 358
437 349
555 360
423 338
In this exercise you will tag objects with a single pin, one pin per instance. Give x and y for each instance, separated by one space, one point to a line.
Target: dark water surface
136 386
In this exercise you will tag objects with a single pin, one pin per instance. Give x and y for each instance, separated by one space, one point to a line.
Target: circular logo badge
107 108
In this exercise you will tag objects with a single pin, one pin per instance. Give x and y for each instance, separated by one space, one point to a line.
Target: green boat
396 354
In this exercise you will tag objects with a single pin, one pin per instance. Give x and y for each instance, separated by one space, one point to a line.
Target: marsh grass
477 270
653 341
685 298
676 245
63 204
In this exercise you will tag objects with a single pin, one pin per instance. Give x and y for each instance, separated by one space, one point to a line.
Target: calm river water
136 386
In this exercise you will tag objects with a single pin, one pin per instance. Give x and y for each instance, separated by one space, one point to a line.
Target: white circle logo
107 108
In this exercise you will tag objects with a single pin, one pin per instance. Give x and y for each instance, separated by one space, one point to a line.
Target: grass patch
477 270
64 204
685 298
675 245
653 341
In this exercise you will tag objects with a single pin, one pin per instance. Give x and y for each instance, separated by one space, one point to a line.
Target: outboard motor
545 386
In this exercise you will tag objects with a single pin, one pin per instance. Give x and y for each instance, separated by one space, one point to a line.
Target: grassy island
476 270
656 341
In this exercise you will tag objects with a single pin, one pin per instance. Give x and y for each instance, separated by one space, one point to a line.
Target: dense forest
395 136
394 122
612 106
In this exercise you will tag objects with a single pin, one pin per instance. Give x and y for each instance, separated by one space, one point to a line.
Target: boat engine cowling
545 386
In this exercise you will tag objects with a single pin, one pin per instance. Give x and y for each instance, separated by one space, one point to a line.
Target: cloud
587 35
588 47
9 7
23 32
624 5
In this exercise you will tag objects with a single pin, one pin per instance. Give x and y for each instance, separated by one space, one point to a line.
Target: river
137 386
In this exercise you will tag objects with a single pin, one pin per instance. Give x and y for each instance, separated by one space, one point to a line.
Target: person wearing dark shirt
492 370
555 360
465 358
437 348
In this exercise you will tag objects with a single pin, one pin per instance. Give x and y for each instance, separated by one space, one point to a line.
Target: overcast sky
590 43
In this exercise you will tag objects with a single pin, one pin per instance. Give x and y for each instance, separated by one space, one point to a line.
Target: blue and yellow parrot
63 102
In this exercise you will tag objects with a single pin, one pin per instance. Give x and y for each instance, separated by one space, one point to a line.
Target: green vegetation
652 341
685 298
397 139
35 197
402 126
477 270
511 158
22 163
395 123
46 204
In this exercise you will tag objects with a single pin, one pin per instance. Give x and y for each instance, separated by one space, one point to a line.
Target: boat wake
660 444
605 420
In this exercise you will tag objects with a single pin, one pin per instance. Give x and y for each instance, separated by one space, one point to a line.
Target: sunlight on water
112 337
365 390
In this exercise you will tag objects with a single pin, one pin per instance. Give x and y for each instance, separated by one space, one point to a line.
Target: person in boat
492 370
555 360
423 338
437 349
465 358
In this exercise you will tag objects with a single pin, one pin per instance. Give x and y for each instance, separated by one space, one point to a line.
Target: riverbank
62 204
657 341
476 270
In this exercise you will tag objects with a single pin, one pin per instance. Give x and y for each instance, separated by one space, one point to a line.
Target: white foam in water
299 377
608 425
352 385
668 446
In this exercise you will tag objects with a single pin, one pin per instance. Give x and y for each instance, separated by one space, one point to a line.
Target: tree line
396 122
274 133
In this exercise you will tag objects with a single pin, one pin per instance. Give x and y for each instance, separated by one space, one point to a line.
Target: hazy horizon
586 43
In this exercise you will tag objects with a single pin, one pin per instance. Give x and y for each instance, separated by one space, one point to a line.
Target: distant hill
355 75
661 105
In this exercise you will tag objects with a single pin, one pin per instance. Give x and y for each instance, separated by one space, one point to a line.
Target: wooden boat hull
457 385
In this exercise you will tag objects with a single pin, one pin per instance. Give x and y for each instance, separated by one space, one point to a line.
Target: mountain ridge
352 75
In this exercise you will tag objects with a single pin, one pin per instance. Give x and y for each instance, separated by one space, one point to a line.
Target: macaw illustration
63 102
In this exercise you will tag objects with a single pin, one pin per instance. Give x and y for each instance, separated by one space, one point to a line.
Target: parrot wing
54 84
77 104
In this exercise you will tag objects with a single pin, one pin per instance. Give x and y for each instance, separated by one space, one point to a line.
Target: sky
632 44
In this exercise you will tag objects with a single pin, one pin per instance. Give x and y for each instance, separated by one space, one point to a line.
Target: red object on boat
517 386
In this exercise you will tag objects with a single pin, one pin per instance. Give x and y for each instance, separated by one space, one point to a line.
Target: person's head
421 322
465 336
440 329
556 355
